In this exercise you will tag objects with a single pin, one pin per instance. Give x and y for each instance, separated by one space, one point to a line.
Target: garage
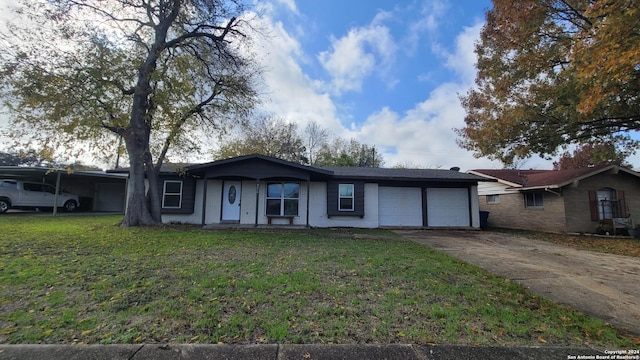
399 206
448 207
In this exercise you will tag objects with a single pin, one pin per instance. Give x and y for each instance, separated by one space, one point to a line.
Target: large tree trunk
137 212
155 189
137 136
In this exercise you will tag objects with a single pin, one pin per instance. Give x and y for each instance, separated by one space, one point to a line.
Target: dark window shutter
593 205
622 204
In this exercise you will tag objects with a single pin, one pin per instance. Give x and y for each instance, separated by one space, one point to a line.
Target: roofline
567 182
261 157
46 170
598 171
493 178
404 179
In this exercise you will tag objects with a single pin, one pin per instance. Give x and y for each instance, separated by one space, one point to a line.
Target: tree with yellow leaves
553 73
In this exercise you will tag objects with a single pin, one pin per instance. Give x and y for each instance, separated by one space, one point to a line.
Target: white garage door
448 207
399 206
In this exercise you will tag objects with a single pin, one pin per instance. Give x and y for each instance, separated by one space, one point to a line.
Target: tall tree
349 153
591 155
315 137
552 73
148 72
267 136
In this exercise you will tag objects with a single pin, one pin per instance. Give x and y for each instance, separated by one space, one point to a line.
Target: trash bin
484 220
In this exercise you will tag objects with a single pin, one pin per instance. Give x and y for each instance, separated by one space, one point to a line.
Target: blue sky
387 73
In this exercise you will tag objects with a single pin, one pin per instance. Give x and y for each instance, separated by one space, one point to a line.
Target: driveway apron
602 285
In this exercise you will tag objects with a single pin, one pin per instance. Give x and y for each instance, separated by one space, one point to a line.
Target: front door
231 201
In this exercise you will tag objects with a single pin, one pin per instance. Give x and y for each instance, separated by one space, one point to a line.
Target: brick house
575 200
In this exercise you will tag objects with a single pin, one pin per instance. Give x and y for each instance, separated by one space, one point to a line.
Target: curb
288 352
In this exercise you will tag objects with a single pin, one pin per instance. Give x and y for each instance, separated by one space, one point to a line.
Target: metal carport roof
56 176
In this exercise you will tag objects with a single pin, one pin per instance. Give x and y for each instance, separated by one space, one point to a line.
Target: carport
98 191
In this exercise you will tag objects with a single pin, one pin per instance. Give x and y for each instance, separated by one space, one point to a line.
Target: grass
84 280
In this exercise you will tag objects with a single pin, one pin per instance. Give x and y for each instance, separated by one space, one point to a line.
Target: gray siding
188 194
332 198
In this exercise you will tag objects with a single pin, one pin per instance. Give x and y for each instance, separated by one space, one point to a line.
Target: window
283 198
9 184
172 194
345 197
493 199
533 200
607 204
32 187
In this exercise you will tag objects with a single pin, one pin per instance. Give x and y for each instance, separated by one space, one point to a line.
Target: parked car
20 194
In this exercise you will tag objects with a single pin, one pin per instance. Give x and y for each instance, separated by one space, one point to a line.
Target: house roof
322 172
539 179
364 173
401 174
167 168
239 159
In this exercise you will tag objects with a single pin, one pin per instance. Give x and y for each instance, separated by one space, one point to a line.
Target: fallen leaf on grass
542 340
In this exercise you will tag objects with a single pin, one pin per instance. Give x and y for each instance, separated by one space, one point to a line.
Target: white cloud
424 135
355 56
429 21
290 4
463 60
290 93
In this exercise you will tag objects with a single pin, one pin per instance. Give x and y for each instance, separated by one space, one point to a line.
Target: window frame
282 198
607 203
352 197
535 204
165 194
493 199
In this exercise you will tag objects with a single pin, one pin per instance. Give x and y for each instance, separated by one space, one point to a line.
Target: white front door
231 201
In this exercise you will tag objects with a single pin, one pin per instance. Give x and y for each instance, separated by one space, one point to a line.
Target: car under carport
99 191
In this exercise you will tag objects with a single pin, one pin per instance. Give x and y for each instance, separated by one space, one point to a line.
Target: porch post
308 197
55 196
204 200
257 200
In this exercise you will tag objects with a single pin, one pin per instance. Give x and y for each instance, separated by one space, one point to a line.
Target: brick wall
577 198
510 212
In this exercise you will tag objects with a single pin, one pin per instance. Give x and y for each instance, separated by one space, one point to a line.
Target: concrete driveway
602 285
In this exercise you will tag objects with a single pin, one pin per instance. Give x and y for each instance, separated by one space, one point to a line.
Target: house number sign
232 194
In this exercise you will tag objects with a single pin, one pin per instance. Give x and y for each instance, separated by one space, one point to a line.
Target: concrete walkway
602 285
286 352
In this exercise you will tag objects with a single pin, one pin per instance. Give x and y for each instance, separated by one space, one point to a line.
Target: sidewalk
287 352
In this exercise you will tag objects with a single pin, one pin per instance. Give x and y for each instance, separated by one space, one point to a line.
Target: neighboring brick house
574 200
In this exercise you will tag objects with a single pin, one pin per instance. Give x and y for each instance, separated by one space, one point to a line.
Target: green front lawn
81 279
